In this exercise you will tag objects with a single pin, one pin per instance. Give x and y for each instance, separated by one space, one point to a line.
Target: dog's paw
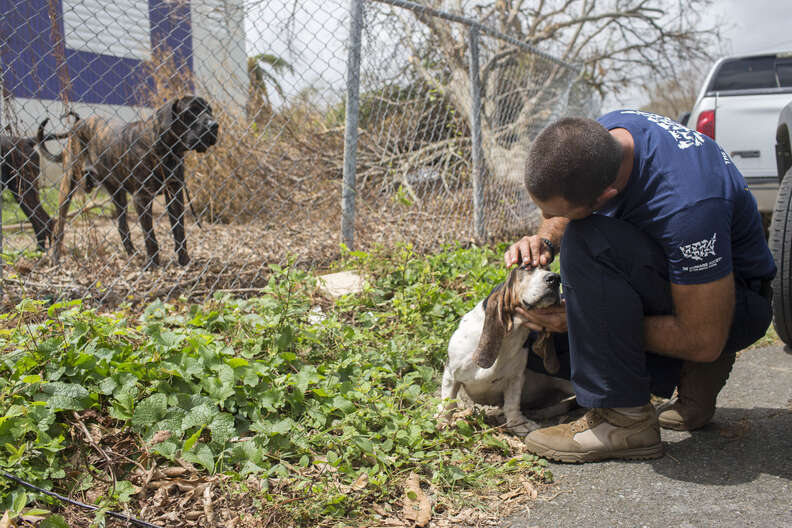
443 416
151 264
184 259
446 417
55 254
521 427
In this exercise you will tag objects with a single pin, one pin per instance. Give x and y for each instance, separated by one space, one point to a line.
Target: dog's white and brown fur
486 354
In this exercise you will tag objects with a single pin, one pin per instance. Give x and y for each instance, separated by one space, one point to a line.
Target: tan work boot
600 434
699 385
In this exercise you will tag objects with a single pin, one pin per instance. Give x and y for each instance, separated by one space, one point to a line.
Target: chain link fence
269 191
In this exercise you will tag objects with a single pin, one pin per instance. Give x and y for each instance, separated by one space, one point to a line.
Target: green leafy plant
267 386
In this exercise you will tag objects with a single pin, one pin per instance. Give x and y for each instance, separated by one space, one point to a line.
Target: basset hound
487 354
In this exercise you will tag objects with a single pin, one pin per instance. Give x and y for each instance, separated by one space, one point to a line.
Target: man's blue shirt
685 192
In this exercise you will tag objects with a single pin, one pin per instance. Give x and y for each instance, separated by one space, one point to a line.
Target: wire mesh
273 75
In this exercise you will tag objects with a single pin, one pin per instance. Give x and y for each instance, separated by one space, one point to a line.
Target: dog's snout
214 126
554 279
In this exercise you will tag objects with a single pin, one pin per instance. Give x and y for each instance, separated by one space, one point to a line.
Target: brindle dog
19 162
143 158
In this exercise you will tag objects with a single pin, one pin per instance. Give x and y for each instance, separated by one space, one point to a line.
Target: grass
770 339
12 213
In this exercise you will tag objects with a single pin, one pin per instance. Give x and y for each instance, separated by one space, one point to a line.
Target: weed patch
317 411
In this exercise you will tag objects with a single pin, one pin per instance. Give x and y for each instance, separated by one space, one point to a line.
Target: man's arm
529 249
699 327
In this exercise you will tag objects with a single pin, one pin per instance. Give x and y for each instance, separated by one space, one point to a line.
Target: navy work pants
613 275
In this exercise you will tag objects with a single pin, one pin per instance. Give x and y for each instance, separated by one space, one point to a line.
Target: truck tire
781 248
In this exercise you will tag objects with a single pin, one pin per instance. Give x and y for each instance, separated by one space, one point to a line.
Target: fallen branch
13 228
228 290
42 285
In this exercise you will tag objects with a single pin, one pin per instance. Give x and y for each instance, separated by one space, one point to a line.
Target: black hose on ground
116 515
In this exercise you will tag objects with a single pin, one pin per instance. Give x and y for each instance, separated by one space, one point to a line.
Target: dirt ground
234 257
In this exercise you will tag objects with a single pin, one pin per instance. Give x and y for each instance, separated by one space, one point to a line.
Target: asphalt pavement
735 472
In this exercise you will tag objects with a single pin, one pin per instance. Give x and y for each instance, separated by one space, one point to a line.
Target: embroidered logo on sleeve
699 250
683 136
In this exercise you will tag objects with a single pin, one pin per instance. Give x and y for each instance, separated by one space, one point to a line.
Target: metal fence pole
2 188
479 232
351 126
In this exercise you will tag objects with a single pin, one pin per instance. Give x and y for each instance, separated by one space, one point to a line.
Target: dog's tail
41 139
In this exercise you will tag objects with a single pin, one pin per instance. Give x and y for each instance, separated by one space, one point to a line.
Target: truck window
745 74
784 71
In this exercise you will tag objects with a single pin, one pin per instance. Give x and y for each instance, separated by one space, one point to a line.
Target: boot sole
676 425
679 426
635 453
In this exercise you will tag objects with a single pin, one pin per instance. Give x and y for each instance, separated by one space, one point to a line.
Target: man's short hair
574 158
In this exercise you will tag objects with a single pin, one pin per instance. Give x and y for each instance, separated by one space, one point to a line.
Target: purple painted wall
27 50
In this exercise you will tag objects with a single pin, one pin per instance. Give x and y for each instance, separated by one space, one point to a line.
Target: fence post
351 126
2 270
479 232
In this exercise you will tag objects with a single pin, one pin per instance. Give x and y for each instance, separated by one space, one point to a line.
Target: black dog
143 158
19 161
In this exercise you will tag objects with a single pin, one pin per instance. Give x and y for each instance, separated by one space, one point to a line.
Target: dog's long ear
164 118
498 322
493 332
506 302
544 347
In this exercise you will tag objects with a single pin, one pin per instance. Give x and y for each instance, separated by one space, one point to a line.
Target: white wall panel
120 28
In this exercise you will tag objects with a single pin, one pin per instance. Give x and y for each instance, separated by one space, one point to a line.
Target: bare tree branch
616 44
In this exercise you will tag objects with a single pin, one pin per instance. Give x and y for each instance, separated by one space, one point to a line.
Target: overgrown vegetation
326 406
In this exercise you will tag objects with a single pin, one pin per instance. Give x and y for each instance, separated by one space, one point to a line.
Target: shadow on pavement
736 448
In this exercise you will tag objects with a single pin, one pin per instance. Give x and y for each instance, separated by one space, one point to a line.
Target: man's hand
529 251
550 319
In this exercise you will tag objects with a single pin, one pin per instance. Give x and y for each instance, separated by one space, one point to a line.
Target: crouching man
665 271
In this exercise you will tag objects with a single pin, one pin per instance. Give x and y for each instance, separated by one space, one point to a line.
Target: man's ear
607 194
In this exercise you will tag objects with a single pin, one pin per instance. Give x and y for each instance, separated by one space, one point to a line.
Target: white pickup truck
738 107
